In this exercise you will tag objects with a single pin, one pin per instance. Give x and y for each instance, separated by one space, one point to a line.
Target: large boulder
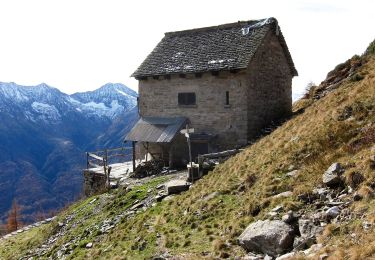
268 237
176 186
332 176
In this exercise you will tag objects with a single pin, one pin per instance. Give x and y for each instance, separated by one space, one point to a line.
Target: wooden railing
104 158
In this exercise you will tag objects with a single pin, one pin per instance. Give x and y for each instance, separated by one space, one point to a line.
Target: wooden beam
95 156
91 164
133 146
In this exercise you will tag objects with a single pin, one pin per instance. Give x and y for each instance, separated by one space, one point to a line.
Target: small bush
353 179
356 77
370 49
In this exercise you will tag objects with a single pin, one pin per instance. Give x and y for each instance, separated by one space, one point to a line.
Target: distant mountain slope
43 136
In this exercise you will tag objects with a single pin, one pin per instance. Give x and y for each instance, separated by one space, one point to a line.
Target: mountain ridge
48 132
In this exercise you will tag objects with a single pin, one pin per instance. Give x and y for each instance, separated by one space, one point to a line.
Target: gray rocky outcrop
332 176
268 237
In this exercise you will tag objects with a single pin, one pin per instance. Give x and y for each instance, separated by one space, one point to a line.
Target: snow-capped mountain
110 100
44 134
47 104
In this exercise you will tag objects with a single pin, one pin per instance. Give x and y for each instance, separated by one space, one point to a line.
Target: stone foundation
93 183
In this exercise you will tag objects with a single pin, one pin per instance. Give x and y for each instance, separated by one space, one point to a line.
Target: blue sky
79 45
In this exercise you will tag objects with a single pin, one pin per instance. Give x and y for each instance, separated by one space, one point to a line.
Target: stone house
227 82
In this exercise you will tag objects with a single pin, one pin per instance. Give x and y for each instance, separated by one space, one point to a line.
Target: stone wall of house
269 85
159 97
257 96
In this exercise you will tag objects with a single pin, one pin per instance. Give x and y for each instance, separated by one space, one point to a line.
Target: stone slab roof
222 47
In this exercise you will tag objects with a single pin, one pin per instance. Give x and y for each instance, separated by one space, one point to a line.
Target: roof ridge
221 26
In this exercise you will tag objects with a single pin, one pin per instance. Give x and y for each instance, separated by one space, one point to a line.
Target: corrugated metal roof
156 129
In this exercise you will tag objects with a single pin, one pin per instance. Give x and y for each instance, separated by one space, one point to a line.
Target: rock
89 245
288 218
332 212
332 176
253 256
160 186
113 185
294 173
284 194
170 197
211 196
308 231
278 208
269 237
136 206
312 250
159 198
176 186
287 256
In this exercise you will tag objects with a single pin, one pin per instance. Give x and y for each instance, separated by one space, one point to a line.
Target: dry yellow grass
194 228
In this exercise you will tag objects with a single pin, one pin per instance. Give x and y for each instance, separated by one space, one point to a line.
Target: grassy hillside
205 222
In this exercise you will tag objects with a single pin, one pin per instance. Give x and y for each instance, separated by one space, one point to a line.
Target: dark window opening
226 97
186 98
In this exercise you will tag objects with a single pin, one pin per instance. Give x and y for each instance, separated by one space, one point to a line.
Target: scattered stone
288 218
366 225
176 186
272 214
211 196
253 256
284 194
113 185
137 205
332 176
287 256
160 186
269 237
332 212
89 245
159 198
278 208
312 250
149 190
292 174
170 197
308 231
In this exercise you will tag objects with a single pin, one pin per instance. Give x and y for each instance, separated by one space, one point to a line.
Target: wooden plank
91 164
95 156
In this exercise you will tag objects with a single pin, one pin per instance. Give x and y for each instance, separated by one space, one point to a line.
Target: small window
186 99
227 98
